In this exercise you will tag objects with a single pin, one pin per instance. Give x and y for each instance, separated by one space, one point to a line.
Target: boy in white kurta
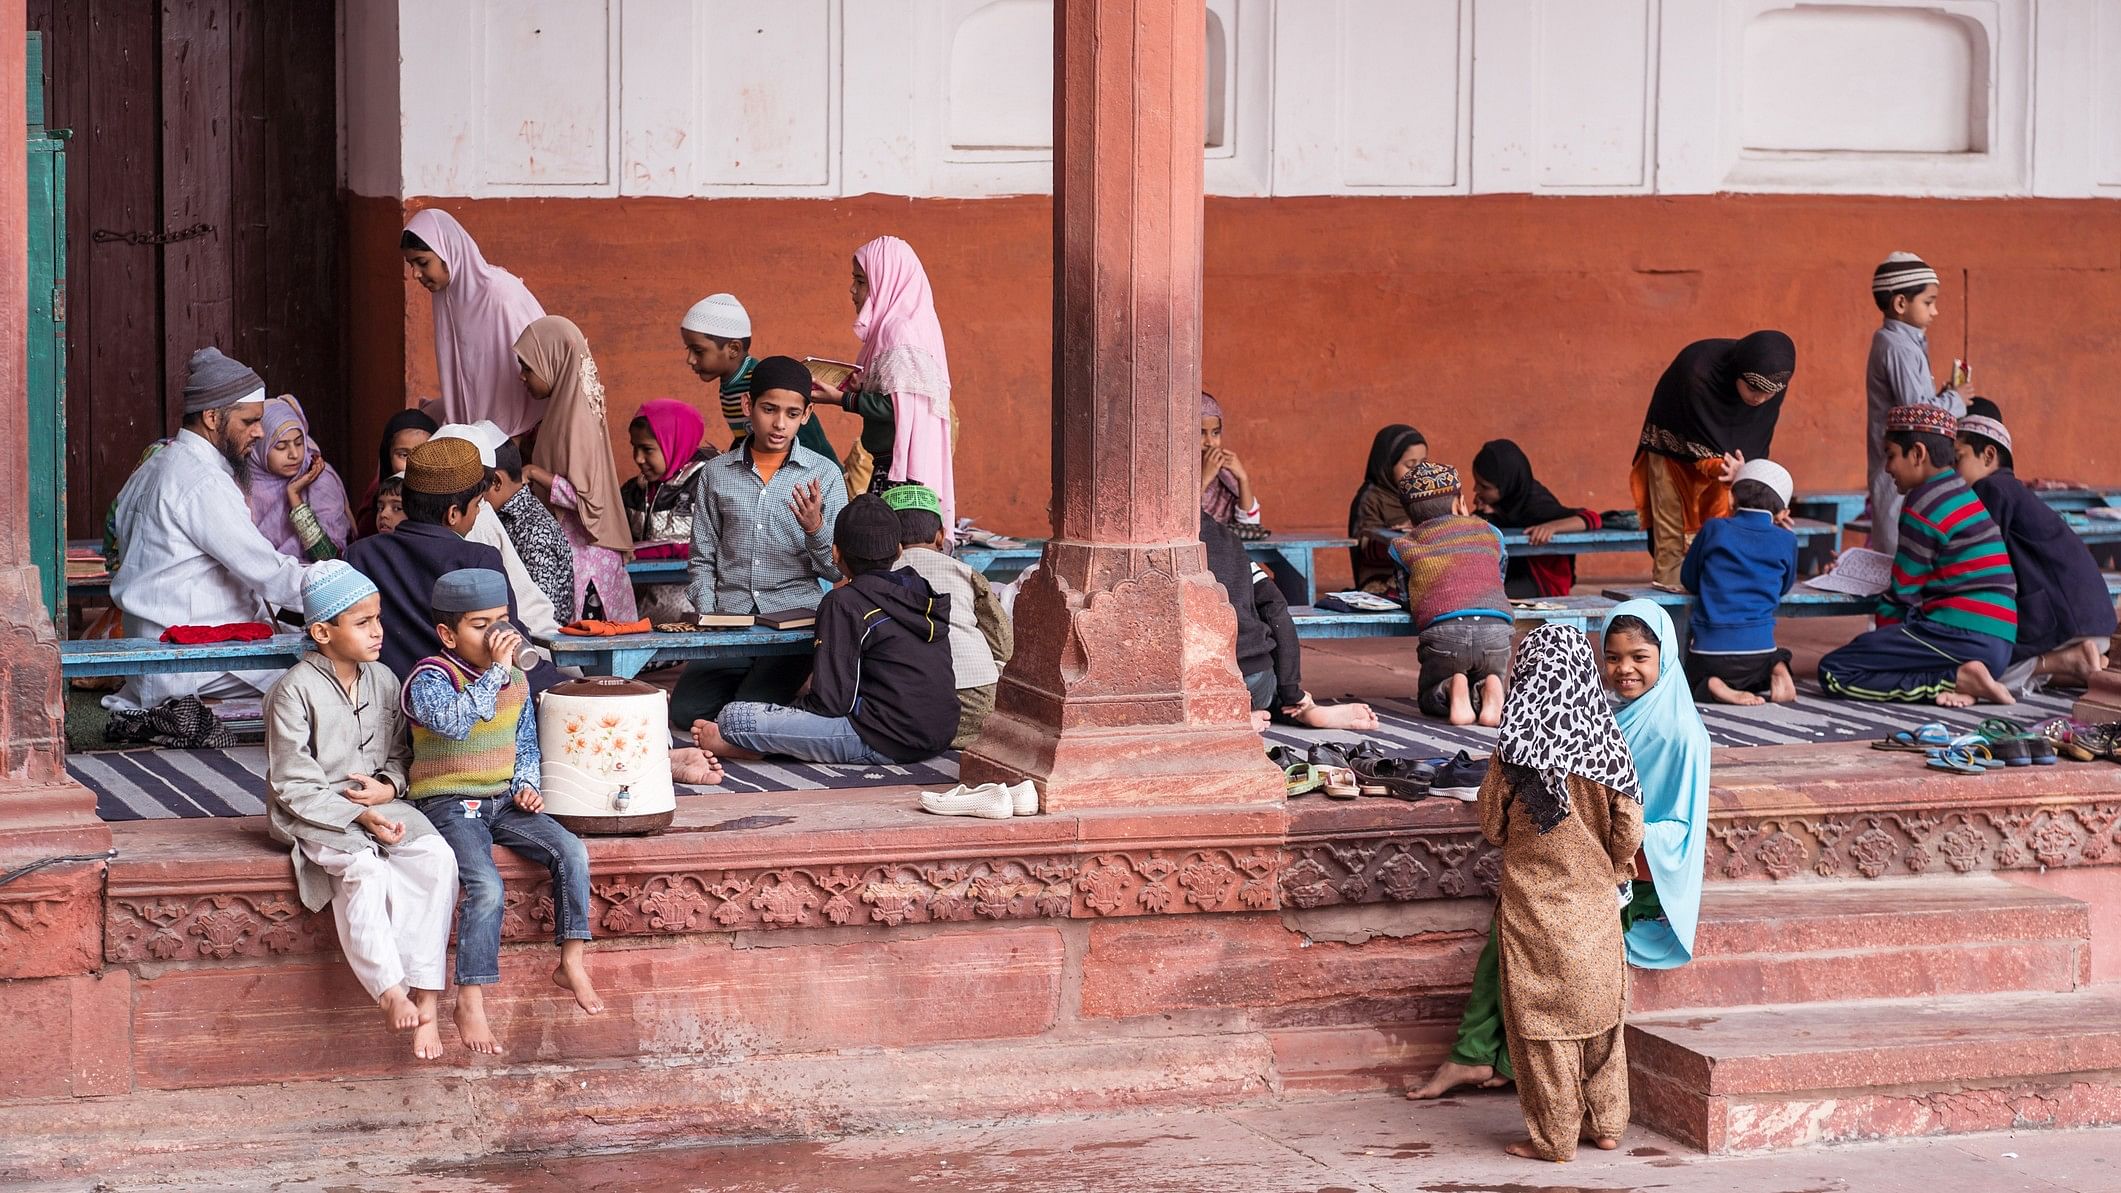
336 761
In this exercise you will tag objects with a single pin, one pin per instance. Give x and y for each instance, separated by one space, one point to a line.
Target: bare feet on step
1782 686
572 975
1974 685
472 1027
1461 701
1726 694
1601 1142
1524 1150
398 1010
1338 716
695 768
427 1038
1490 702
708 737
1450 1075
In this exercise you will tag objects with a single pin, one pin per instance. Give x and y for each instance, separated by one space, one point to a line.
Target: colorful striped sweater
1952 567
474 734
1455 567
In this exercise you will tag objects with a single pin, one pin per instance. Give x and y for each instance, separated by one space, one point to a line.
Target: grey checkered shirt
749 555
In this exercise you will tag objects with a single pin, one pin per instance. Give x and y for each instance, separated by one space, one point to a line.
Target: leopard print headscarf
1557 722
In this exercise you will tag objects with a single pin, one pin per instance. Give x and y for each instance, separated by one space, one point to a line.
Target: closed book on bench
789 619
725 621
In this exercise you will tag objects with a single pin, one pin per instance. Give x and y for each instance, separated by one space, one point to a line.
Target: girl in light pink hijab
905 374
480 309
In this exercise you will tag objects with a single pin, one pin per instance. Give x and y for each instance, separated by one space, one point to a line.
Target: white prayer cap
720 316
1768 473
483 434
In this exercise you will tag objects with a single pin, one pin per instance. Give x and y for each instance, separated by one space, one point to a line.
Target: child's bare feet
1338 716
1604 1143
708 737
1524 1150
1782 686
1461 702
427 1038
1974 685
572 975
1490 702
1450 1075
1726 694
398 1010
695 768
472 1027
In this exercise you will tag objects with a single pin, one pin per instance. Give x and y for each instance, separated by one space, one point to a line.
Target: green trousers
1480 1038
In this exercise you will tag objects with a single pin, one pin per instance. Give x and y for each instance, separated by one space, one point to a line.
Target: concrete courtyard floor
1357 1144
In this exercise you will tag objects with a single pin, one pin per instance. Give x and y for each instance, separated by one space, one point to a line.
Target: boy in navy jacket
1739 569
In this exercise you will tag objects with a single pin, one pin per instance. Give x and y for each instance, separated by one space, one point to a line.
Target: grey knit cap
214 381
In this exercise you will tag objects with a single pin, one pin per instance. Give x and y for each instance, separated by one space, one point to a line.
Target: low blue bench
1582 612
82 658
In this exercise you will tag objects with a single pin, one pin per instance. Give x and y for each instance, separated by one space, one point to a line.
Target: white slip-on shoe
1024 798
990 801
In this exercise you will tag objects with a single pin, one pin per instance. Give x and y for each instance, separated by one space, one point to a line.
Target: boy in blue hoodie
1739 569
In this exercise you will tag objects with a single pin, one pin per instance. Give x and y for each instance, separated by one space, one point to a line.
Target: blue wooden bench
626 655
1843 510
1607 542
145 656
1582 612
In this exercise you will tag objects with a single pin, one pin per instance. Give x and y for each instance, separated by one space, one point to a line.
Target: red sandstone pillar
49 921
1124 689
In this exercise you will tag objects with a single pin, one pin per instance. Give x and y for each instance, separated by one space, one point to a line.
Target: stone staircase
1822 1012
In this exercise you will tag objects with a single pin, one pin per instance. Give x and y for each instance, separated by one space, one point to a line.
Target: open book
828 372
1859 571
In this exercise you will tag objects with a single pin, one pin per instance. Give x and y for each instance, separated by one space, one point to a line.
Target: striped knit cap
1428 479
1923 420
1901 271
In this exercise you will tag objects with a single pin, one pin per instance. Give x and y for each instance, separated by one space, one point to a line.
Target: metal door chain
105 235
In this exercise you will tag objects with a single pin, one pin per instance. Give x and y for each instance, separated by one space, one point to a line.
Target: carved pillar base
1123 691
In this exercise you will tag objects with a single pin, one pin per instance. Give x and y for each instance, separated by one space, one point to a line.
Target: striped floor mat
163 784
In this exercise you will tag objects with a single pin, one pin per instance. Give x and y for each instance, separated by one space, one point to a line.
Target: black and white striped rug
163 784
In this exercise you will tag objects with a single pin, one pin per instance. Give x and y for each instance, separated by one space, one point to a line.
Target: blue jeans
473 828
793 733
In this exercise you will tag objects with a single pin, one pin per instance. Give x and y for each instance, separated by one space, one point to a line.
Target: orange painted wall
1543 319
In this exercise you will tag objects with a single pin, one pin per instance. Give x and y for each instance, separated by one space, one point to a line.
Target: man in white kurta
188 553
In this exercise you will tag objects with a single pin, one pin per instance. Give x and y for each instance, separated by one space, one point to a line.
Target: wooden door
203 209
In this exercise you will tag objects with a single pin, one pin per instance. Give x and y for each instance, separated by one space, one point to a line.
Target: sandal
1922 739
1340 782
2061 733
1959 760
1302 779
1395 778
2002 729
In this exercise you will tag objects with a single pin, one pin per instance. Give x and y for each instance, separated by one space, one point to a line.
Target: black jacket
404 566
1266 634
883 662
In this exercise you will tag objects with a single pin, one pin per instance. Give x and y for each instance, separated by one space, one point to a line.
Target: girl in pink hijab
297 501
480 309
902 390
668 440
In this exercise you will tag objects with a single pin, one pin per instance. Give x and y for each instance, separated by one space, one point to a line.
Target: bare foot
398 1010
572 975
1490 702
1603 1143
1261 718
1954 700
2074 666
1975 681
1726 694
1339 716
427 1038
1461 702
1782 686
708 737
1663 587
472 1027
1524 1150
1449 1076
695 768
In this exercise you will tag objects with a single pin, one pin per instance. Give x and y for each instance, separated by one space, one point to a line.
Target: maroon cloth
201 635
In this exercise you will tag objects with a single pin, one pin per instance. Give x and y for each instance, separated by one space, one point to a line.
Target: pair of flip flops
2079 742
2016 745
1964 757
1379 773
1936 735
1303 777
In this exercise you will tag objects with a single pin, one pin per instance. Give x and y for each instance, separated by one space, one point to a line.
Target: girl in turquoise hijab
1671 750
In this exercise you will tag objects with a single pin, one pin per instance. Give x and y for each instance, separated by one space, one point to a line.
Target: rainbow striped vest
482 765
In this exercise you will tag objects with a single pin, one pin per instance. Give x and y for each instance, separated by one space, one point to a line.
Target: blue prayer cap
330 588
468 590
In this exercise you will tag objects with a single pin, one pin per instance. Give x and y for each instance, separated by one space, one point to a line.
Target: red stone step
1776 1077
1763 944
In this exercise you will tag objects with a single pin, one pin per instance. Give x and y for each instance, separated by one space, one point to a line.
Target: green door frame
47 343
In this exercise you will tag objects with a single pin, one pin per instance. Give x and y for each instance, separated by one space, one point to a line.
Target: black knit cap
781 372
867 529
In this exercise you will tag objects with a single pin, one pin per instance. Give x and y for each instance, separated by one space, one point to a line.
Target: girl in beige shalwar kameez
1562 801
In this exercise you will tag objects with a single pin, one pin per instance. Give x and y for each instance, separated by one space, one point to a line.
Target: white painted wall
1304 97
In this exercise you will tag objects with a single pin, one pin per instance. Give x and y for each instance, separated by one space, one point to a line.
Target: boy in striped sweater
1947 621
475 771
1455 564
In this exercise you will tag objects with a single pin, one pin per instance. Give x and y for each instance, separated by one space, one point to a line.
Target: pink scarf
678 428
478 316
902 355
267 491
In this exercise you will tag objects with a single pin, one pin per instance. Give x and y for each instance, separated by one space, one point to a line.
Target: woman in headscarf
1507 494
1393 453
1225 486
480 310
572 466
1562 802
297 501
406 430
902 385
1714 409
